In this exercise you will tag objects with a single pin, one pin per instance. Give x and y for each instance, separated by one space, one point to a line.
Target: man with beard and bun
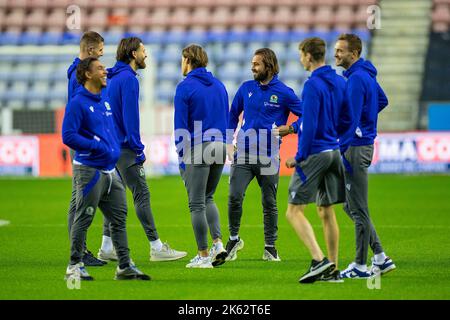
88 128
366 99
123 91
91 45
266 103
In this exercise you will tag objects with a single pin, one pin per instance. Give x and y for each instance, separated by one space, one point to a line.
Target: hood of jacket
327 74
118 68
202 75
73 67
362 64
84 92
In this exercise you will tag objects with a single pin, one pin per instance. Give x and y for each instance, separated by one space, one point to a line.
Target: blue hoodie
123 92
366 99
323 99
264 107
200 97
88 128
72 77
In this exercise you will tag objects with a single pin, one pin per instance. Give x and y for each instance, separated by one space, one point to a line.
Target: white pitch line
4 223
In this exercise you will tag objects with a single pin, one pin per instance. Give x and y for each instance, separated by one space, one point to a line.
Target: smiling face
97 74
343 56
96 51
259 70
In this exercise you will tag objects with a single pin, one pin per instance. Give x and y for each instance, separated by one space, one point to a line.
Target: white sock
107 245
234 237
156 245
379 258
361 267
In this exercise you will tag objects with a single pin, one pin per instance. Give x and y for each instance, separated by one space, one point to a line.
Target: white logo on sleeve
250 94
358 132
107 106
91 108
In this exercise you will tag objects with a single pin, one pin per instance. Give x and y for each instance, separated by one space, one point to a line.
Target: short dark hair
91 39
269 58
197 56
354 42
82 68
126 48
315 47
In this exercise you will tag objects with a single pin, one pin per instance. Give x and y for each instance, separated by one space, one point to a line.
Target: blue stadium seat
112 38
169 71
30 38
70 38
10 38
50 38
171 37
152 37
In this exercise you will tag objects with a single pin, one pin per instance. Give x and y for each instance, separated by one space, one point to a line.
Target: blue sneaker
353 273
382 268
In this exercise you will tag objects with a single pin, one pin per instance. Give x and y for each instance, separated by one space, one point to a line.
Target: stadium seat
180 18
242 17
140 17
15 18
201 17
302 18
221 17
169 71
159 17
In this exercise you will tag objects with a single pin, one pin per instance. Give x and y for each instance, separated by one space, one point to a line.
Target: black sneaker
233 246
271 254
316 270
333 276
91 261
130 273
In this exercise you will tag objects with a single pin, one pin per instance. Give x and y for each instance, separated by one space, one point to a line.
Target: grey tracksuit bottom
133 176
357 161
240 177
94 188
201 179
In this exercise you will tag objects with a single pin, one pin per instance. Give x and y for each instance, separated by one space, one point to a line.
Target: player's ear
88 75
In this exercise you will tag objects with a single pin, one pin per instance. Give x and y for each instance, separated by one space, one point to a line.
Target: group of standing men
336 131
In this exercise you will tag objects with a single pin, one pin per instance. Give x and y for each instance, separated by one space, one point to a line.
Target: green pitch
411 214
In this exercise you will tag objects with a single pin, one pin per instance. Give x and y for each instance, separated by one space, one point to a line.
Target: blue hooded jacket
123 92
88 128
72 77
366 99
323 99
200 97
264 107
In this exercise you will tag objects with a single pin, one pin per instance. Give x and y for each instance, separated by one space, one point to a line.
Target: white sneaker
233 246
166 254
200 262
217 254
271 254
77 271
107 255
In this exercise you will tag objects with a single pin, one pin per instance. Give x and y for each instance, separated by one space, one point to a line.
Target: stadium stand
435 97
230 31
